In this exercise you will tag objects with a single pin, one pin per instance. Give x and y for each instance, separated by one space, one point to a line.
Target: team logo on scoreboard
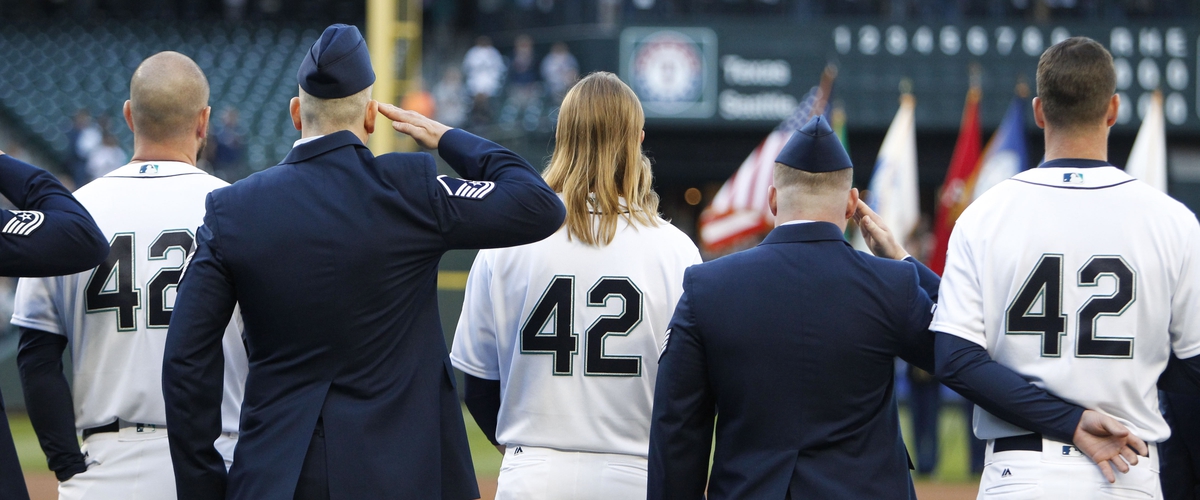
672 70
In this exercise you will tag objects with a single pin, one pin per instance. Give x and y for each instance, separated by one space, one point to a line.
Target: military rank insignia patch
23 223
459 188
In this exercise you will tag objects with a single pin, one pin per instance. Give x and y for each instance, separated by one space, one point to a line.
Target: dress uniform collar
322 145
804 233
154 169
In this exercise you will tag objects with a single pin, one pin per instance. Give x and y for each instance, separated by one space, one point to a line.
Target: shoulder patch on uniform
24 222
459 188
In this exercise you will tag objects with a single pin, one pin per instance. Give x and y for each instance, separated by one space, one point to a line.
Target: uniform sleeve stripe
442 180
23 228
38 217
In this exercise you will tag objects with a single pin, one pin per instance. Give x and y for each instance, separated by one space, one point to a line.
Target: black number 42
126 298
556 307
1046 282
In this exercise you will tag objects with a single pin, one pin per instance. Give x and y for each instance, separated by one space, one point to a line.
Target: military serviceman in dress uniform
795 342
49 234
149 210
333 257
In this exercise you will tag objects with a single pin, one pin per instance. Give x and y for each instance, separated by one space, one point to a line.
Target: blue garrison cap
815 148
338 64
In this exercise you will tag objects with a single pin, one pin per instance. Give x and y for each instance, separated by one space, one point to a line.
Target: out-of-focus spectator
81 139
560 70
234 9
418 99
230 151
484 69
450 98
106 157
524 101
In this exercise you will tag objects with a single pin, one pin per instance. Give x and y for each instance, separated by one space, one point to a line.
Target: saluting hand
878 237
1108 443
426 131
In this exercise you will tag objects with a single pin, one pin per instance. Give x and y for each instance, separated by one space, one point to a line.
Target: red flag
962 167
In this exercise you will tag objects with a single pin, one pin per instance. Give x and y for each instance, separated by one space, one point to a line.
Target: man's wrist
71 470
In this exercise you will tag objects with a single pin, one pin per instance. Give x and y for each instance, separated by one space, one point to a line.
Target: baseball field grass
951 480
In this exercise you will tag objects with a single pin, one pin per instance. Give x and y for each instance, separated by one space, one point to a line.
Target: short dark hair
1075 81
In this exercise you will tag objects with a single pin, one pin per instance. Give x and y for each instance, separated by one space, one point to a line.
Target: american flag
739 210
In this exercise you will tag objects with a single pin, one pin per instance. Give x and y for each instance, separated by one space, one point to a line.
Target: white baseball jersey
115 316
1083 280
572 333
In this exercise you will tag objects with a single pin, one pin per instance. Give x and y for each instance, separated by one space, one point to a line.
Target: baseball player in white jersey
1078 277
114 318
560 338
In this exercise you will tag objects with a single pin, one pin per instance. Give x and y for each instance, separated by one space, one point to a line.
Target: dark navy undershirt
1074 163
967 368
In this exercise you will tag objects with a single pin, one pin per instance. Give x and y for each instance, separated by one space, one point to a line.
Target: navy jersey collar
321 146
1074 163
803 233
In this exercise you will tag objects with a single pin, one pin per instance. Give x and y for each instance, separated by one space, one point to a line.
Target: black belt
113 427
1024 442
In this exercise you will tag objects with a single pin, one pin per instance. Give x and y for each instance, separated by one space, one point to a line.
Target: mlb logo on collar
1073 178
148 168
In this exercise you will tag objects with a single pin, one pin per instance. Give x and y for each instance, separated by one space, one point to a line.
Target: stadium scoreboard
753 75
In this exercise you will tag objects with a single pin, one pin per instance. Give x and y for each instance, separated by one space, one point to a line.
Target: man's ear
1039 118
202 125
372 110
294 109
1114 105
127 110
852 203
772 193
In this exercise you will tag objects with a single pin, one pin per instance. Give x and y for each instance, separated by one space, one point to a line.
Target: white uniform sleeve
35 307
1185 303
475 350
960 297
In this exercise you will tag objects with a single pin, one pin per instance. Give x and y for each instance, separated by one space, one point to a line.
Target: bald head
167 96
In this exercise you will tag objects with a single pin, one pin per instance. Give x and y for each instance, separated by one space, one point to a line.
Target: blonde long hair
598 159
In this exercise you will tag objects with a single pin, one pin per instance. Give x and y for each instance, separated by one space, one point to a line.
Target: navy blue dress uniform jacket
50 234
791 345
332 256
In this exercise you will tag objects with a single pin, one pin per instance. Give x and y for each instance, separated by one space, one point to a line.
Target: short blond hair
334 114
812 183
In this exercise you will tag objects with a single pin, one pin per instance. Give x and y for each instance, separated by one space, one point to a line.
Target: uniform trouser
925 396
12 480
1061 472
1181 453
530 473
314 474
130 465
